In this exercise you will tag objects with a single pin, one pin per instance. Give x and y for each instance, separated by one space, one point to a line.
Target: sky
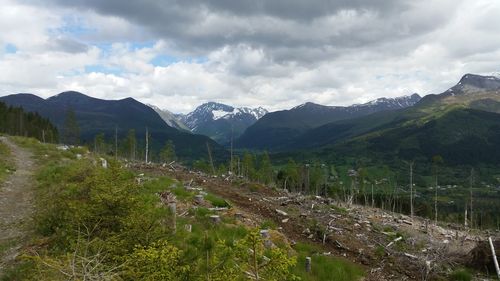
271 53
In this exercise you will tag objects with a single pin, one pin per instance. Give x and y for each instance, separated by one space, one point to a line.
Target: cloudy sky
272 53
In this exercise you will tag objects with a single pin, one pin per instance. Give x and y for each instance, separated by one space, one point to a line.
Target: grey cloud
68 45
319 28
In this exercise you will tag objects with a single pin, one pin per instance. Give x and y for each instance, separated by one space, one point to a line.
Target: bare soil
16 204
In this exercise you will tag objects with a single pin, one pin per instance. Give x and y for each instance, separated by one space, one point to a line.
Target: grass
324 267
6 165
217 201
461 274
268 224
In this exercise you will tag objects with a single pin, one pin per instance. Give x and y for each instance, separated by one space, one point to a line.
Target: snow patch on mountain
212 111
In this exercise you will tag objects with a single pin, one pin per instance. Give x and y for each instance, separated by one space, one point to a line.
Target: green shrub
461 274
217 201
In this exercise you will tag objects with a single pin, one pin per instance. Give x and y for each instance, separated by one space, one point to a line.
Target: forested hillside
15 121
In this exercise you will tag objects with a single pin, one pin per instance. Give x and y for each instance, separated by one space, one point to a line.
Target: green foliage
16 122
261 263
265 173
5 163
167 153
268 224
86 212
324 267
99 143
71 128
159 261
217 201
130 145
248 165
461 275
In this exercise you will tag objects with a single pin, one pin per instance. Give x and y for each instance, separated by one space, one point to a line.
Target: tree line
15 121
405 191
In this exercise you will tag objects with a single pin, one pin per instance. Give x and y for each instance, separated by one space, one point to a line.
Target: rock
283 213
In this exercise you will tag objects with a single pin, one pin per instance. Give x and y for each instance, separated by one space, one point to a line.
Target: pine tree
131 144
265 168
167 153
71 128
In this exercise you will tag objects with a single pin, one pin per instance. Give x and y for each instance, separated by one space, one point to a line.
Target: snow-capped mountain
277 128
171 119
220 121
391 103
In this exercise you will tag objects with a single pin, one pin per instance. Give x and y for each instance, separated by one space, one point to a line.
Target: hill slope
96 116
170 118
462 125
277 130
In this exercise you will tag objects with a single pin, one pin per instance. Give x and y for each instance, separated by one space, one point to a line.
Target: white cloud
276 58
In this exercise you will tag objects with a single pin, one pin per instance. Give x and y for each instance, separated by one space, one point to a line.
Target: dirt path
16 209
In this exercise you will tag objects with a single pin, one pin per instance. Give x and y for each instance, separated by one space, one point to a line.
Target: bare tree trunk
465 216
147 145
116 142
436 202
411 189
495 261
231 163
470 189
373 200
210 158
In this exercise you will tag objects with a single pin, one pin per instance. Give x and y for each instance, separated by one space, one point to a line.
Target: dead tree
495 261
470 190
411 189
210 158
116 142
147 145
436 202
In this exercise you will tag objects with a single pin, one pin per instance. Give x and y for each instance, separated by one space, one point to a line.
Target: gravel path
16 204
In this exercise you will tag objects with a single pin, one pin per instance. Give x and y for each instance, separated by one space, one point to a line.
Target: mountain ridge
96 116
280 127
221 122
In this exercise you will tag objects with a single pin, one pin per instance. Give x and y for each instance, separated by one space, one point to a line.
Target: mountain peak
220 121
70 97
479 81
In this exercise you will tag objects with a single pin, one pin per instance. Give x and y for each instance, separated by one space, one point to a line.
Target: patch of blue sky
10 48
163 60
166 60
99 68
73 26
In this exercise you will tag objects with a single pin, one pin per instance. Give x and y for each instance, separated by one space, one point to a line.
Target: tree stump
215 219
308 264
198 199
172 206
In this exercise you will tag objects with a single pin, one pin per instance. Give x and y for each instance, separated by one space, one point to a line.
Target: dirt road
16 204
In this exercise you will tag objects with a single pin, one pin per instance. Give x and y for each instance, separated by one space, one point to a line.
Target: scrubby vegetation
96 223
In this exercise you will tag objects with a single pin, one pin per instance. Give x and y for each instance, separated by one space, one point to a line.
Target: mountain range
96 116
461 124
218 121
276 130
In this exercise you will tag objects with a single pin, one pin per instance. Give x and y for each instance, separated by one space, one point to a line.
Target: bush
461 274
217 201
